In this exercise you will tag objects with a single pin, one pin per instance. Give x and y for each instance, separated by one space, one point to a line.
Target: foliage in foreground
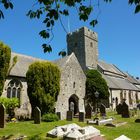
53 11
43 79
94 83
5 55
9 103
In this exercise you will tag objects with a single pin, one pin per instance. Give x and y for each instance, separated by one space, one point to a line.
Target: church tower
84 43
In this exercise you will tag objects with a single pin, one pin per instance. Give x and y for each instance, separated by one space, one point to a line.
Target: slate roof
119 83
106 67
23 62
132 79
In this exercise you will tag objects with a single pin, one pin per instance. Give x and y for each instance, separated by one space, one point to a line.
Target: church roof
132 79
110 68
115 78
24 61
119 83
22 64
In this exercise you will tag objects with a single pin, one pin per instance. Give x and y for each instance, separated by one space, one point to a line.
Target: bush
9 103
50 117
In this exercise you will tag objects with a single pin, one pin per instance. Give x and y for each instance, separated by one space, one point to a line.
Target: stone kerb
37 115
2 116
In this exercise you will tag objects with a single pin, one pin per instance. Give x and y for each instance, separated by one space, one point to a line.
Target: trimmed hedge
50 117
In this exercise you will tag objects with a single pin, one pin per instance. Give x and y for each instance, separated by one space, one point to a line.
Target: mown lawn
28 128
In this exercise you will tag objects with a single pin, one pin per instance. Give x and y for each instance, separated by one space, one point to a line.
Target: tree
94 83
5 55
53 10
43 79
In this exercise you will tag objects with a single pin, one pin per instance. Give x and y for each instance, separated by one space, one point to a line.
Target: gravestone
81 116
125 110
37 115
69 115
2 116
88 110
119 109
59 115
102 110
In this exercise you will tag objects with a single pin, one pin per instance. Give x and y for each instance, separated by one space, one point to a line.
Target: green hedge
50 117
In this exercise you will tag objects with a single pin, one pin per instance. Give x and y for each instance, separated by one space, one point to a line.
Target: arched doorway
74 103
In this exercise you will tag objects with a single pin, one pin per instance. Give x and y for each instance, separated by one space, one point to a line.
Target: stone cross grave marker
2 116
81 116
69 115
88 110
37 115
103 110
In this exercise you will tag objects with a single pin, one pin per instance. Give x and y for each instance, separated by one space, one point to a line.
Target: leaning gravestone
69 115
103 110
88 110
37 115
125 110
2 116
81 116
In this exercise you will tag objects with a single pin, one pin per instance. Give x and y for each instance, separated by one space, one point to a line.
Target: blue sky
118 33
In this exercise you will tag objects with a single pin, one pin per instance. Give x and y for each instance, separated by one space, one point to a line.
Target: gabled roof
22 64
110 68
62 61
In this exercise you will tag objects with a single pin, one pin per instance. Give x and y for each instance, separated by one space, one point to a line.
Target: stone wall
72 83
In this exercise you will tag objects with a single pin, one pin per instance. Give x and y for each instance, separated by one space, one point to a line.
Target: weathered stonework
72 84
84 43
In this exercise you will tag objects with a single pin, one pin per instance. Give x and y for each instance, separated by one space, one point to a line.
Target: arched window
14 89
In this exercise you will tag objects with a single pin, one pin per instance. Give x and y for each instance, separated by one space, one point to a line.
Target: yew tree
95 83
43 79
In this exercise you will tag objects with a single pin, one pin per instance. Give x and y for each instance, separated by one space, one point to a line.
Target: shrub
9 103
50 117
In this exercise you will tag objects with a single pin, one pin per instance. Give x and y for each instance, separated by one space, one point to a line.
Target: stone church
82 47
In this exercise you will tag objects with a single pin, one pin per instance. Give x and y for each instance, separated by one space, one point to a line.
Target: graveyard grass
28 128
